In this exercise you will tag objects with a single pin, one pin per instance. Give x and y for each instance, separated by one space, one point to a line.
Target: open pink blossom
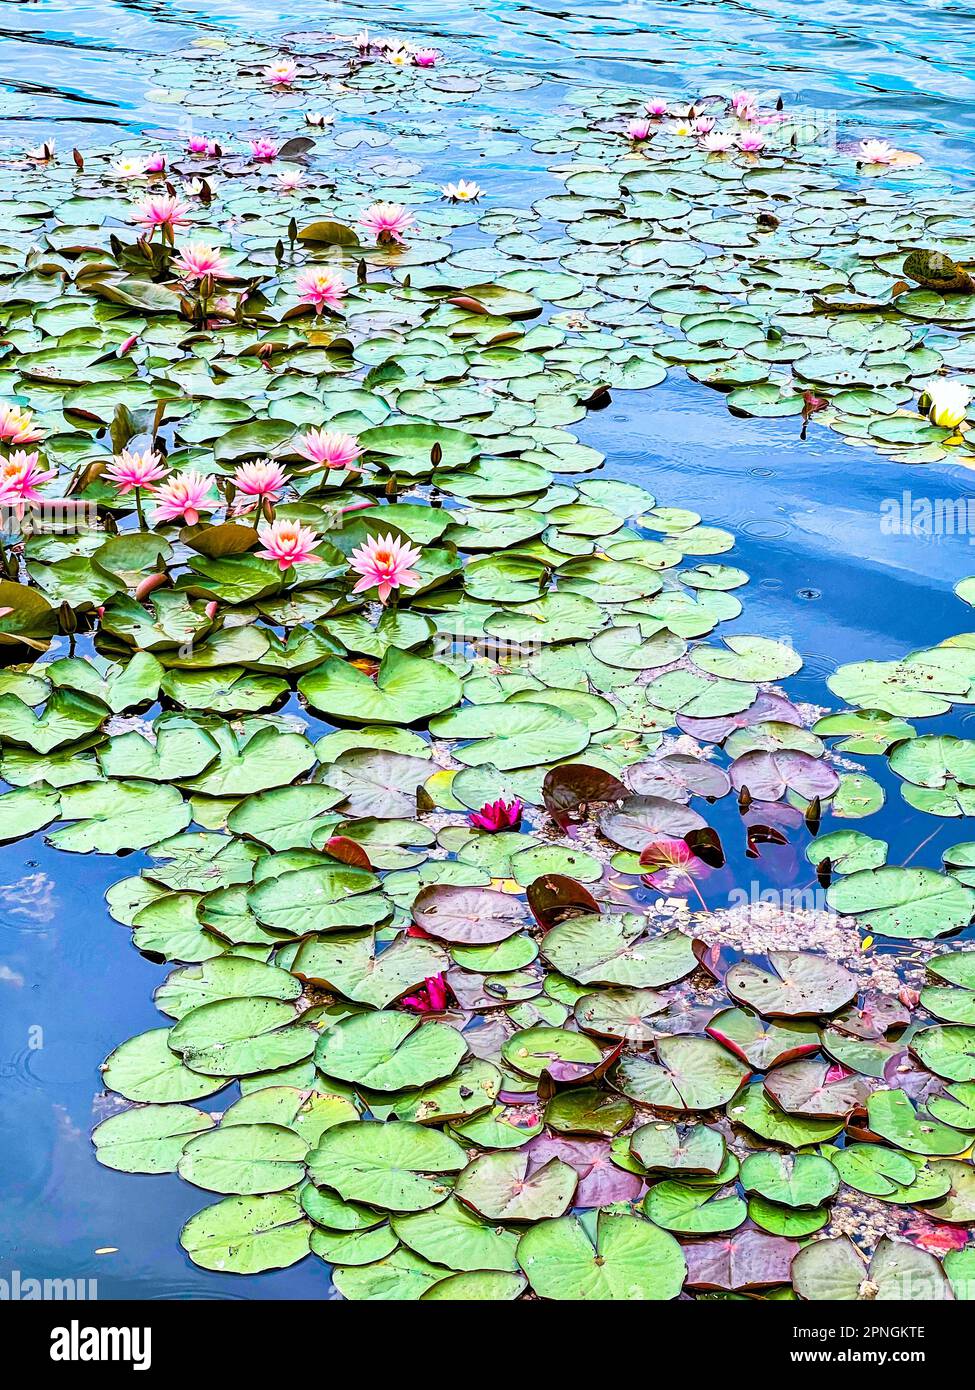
289 543
320 287
330 448
426 57
196 261
876 152
130 470
156 163
21 474
703 125
281 73
184 495
744 105
290 180
17 426
201 144
258 481
496 815
656 107
387 221
432 998
718 141
384 563
263 149
751 144
639 130
162 211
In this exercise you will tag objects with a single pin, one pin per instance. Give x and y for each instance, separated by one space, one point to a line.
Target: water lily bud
946 403
908 997
67 618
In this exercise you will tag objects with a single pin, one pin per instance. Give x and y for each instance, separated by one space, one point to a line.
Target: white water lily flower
43 152
318 118
463 191
876 152
948 403
129 166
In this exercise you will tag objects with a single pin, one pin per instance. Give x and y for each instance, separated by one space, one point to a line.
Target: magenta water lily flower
259 481
17 426
263 149
656 107
384 563
184 495
156 163
387 221
289 543
130 470
751 144
320 287
703 125
330 448
426 57
639 130
161 211
433 998
196 261
201 144
497 815
281 73
21 475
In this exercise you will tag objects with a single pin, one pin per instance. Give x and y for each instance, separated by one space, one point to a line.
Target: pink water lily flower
876 152
156 163
17 426
497 815
703 125
201 144
162 211
281 73
289 543
184 495
656 108
384 563
259 481
433 998
196 261
718 141
21 475
289 180
320 287
639 130
744 105
751 144
263 149
426 57
387 221
130 470
330 448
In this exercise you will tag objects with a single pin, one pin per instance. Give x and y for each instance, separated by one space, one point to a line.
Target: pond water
806 514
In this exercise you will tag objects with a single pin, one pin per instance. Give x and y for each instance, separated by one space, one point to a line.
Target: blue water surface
806 515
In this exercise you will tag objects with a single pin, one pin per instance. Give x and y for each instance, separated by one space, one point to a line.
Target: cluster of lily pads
408 861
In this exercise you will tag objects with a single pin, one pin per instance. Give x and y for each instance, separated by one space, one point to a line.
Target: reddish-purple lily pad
471 916
744 1260
813 1088
677 777
643 819
768 776
601 1182
760 711
796 984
